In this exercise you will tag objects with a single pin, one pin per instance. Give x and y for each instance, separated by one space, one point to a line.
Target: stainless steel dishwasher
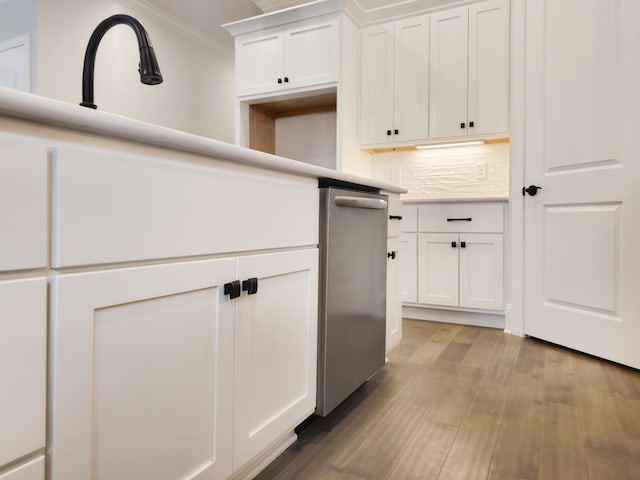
353 263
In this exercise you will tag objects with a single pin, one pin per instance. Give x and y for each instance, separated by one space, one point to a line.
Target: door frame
515 284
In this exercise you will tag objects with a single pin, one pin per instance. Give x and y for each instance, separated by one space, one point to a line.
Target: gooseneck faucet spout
148 68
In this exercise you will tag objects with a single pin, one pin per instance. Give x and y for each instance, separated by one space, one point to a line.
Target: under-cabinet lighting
453 144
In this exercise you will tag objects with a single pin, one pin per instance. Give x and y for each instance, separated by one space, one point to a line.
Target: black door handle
232 289
391 255
531 190
250 285
395 217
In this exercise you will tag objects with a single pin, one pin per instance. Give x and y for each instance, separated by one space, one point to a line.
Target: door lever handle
531 190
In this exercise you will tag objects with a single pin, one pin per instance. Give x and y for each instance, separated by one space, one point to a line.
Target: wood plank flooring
464 403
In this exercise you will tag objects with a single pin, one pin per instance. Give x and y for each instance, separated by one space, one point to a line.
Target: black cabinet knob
454 244
232 289
286 79
279 80
471 124
463 244
391 255
388 132
395 217
462 125
250 285
396 131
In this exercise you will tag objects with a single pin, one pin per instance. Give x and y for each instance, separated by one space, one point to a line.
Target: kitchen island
165 284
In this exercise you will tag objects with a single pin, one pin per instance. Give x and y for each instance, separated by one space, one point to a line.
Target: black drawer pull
468 219
395 217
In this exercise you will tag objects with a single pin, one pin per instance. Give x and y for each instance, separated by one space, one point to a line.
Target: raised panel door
276 332
438 269
481 271
409 267
376 84
311 53
142 373
411 79
448 47
488 110
259 62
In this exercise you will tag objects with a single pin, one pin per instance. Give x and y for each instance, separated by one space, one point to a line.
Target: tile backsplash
474 171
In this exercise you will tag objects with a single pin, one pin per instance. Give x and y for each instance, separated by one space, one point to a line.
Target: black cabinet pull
286 79
391 255
395 217
250 285
463 244
279 80
232 289
462 125
454 244
396 131
468 219
388 132
472 124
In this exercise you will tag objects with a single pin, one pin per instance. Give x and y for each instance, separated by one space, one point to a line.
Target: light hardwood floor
466 403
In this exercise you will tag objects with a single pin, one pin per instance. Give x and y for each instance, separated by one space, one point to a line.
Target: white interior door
582 228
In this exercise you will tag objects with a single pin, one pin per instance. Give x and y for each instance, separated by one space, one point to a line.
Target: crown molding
178 26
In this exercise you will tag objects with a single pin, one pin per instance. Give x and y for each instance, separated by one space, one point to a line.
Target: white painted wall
18 19
474 171
198 90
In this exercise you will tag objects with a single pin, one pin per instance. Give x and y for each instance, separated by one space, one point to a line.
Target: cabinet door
142 373
409 267
394 304
488 109
311 53
448 73
23 367
32 470
376 80
276 332
259 62
411 81
481 271
438 269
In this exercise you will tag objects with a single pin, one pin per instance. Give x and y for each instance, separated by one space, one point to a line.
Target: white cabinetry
409 258
458 259
394 260
460 270
145 362
23 346
299 55
395 82
469 70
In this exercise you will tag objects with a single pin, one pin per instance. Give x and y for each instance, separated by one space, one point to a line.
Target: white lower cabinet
144 362
23 371
460 270
394 305
409 267
31 470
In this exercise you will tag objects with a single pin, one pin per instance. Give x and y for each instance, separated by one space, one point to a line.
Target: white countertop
56 113
455 200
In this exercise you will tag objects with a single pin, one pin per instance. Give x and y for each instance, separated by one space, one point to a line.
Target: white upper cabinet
301 54
469 78
394 82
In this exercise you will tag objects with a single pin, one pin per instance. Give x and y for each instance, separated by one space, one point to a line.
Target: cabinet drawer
23 200
113 207
23 347
461 217
32 470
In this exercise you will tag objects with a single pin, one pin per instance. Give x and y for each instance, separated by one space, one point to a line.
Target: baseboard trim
492 320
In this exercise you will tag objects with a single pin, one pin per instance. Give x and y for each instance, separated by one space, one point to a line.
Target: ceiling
206 16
